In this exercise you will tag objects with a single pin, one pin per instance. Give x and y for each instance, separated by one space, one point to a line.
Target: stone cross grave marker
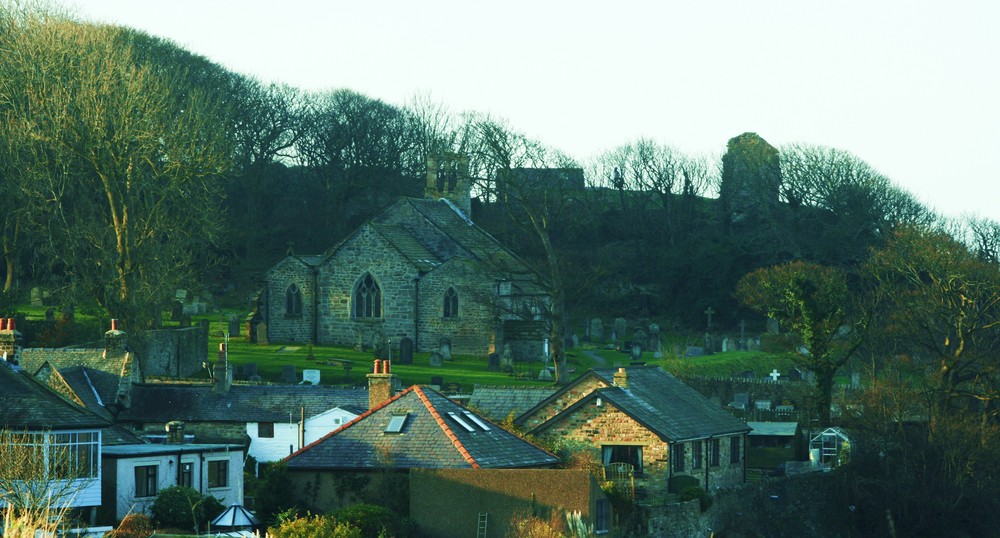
708 314
774 374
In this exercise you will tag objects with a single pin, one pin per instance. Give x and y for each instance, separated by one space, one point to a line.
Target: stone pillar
222 377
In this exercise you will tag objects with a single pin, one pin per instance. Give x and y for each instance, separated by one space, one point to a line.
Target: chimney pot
385 366
378 367
10 324
3 324
114 324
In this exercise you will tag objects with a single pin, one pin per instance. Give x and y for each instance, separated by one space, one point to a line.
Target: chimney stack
175 432
221 375
380 383
114 340
620 379
10 341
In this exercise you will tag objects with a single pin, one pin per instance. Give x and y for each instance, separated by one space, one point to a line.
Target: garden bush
697 492
372 519
133 526
314 527
184 508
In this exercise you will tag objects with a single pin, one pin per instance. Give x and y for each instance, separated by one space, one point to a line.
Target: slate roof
497 403
662 403
159 449
33 358
786 429
26 404
429 438
163 402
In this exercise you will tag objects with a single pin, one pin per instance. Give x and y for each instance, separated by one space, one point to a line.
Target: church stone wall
366 252
472 332
281 326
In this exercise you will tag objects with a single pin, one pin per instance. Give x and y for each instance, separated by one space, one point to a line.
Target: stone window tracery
451 304
367 298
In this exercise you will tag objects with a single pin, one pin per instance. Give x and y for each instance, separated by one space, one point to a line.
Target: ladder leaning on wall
481 531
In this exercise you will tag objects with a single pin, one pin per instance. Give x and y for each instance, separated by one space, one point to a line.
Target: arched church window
367 298
451 303
293 301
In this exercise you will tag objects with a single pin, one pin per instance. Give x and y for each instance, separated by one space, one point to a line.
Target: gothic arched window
367 298
450 303
293 301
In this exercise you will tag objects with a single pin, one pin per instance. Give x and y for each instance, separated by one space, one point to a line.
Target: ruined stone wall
366 252
176 353
282 326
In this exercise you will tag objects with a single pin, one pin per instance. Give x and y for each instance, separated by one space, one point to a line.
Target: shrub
185 508
696 492
370 518
314 527
134 526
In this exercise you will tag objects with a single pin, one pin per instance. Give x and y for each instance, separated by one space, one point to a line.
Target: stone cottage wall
366 252
473 332
565 400
282 327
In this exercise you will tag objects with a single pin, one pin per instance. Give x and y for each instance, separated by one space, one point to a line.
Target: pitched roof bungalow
647 424
419 428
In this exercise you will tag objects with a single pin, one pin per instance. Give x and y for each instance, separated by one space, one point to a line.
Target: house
770 444
499 403
418 275
368 458
482 502
135 473
646 427
272 421
65 438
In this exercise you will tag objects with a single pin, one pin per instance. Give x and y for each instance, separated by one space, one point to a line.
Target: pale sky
910 86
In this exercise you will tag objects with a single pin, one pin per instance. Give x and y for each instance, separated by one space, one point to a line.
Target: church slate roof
661 402
26 404
163 402
498 403
429 437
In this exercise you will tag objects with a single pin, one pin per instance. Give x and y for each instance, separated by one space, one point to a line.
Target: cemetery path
598 360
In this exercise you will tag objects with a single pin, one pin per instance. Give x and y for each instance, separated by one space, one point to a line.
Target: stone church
419 273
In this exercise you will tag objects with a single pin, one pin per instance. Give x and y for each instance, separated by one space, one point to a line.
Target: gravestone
406 351
181 295
262 334
574 341
762 405
596 330
741 400
774 375
310 376
506 359
50 314
494 362
545 375
855 380
620 327
234 326
694 351
36 297
250 369
437 380
445 348
640 337
636 351
288 374
773 327
436 359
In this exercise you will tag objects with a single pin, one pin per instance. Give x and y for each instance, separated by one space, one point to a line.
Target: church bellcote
448 178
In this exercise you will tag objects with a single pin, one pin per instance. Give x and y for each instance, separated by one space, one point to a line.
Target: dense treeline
131 167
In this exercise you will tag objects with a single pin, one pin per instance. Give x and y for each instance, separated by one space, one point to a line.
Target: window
677 456
187 475
734 449
696 455
713 452
265 429
396 423
293 302
367 298
218 473
602 516
451 304
630 454
145 481
75 454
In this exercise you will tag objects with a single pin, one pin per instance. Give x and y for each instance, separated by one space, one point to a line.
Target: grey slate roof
661 402
243 403
786 429
429 438
26 404
497 403
158 449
